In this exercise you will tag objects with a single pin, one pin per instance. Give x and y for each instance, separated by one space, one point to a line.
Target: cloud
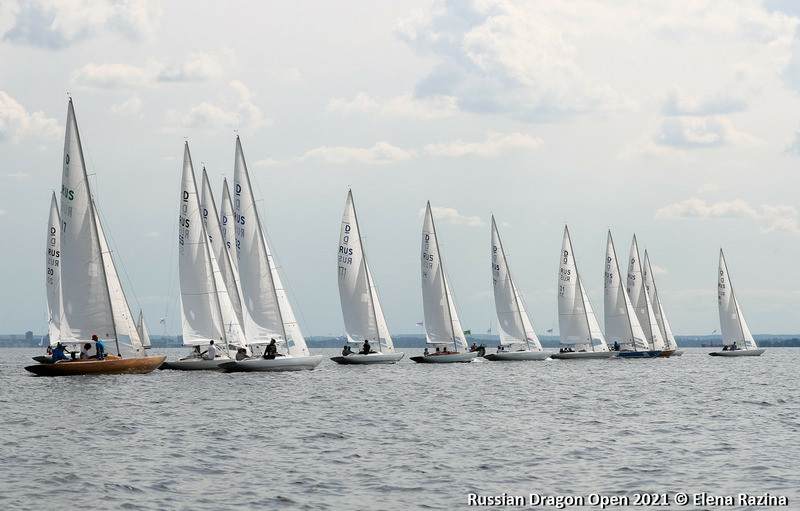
494 145
379 154
16 123
131 106
451 216
700 132
779 217
198 67
113 76
676 102
59 24
793 147
403 106
500 57
239 112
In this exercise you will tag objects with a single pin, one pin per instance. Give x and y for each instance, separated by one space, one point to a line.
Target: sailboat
658 309
639 296
442 326
736 337
361 308
266 309
141 328
516 330
622 325
87 297
578 327
206 309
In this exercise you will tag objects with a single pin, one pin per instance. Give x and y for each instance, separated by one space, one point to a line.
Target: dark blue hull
639 354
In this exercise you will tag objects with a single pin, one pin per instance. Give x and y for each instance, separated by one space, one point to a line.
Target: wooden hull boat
109 365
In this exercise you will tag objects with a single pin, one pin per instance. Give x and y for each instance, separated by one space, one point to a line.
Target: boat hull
372 358
115 365
667 353
678 353
738 353
44 359
196 364
518 355
574 355
639 354
273 364
446 359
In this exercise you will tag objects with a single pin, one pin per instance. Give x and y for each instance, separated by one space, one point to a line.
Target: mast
511 282
580 288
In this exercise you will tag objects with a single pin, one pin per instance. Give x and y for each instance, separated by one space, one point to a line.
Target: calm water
408 436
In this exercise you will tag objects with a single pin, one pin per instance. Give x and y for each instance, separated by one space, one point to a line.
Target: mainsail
658 308
621 324
55 320
640 299
731 319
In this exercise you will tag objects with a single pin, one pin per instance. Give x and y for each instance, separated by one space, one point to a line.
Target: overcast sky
678 121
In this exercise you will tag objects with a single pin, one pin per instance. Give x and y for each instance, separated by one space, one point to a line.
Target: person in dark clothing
272 350
366 348
58 353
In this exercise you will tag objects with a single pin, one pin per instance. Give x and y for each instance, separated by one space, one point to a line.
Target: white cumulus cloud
494 145
198 67
131 106
237 112
777 217
379 154
452 216
403 106
17 123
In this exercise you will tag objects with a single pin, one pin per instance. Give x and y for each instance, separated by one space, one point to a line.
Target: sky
677 121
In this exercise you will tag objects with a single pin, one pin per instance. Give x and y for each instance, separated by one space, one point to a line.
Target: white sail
734 328
621 324
640 299
128 340
84 291
361 309
442 325
577 323
202 318
515 324
143 334
227 279
55 320
227 225
268 313
658 308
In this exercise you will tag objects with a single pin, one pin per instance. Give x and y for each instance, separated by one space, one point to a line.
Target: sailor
425 353
211 352
366 348
500 348
474 347
734 347
272 350
241 354
85 351
616 346
346 350
58 353
101 348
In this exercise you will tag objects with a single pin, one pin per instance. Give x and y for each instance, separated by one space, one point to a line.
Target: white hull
738 353
196 364
372 358
584 354
275 364
446 359
518 355
677 353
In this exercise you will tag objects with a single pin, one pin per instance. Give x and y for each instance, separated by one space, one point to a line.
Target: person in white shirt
85 351
211 352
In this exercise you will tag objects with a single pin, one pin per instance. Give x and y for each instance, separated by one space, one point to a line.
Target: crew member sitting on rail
100 347
58 353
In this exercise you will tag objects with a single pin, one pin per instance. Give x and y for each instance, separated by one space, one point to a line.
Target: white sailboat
736 337
517 337
91 301
658 309
266 309
578 327
361 308
622 325
141 328
442 326
203 294
227 225
640 300
53 279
